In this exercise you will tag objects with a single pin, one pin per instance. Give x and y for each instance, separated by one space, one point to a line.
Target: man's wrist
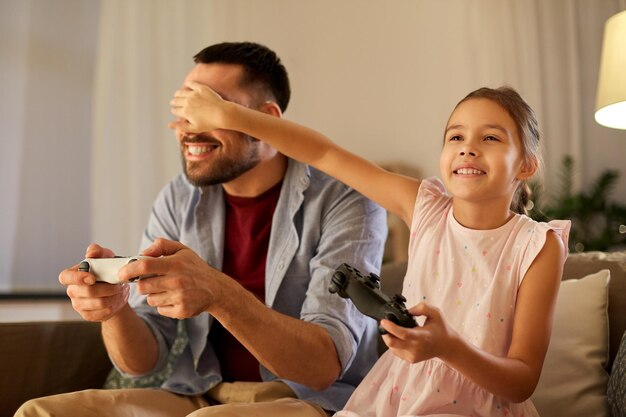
232 300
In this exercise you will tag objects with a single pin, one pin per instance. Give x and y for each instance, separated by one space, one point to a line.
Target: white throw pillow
574 382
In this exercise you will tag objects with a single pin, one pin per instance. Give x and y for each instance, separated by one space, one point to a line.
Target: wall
39 310
379 79
47 56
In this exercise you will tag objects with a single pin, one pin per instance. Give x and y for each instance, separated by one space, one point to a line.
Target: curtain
86 90
380 79
47 51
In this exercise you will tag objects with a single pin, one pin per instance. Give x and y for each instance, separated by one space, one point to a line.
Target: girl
484 275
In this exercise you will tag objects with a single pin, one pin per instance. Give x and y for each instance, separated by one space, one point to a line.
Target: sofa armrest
45 358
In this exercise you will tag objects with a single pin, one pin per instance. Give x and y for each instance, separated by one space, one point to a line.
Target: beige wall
47 56
378 77
381 78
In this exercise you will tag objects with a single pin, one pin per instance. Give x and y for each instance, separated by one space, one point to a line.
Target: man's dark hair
261 66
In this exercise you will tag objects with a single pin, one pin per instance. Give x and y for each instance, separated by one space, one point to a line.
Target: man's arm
292 349
352 230
130 342
187 286
122 329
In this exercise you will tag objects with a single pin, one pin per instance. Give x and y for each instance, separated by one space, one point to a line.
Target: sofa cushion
579 265
48 357
574 380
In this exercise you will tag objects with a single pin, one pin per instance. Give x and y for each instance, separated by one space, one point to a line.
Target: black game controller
365 293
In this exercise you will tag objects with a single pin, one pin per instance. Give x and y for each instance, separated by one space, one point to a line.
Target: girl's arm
515 376
200 109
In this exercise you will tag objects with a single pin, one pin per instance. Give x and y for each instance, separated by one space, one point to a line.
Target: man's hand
93 301
199 109
185 285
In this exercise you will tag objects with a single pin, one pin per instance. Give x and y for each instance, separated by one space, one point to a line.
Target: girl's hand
199 109
420 343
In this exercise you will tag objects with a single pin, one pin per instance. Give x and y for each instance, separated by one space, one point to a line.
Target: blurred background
85 86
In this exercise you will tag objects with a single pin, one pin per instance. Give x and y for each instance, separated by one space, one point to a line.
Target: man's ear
272 108
529 168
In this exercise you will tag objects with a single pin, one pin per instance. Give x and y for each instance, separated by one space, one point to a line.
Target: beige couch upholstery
45 358
52 357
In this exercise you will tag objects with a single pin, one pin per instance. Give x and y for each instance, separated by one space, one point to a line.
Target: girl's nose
466 152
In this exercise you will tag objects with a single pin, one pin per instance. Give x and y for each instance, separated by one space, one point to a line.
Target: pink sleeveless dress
472 276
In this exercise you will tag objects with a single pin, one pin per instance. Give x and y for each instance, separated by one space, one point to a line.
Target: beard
222 168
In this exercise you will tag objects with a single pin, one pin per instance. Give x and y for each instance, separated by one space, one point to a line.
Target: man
243 246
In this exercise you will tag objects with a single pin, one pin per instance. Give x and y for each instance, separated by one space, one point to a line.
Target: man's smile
197 151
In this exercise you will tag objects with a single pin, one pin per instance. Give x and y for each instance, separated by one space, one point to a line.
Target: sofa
584 372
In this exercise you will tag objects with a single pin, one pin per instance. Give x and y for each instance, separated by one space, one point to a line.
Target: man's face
221 155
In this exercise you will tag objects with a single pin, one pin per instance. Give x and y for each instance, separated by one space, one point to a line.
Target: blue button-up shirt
318 224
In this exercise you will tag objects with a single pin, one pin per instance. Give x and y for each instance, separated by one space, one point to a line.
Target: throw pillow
573 382
582 264
617 382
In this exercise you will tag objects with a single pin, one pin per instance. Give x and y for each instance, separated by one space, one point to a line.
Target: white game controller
105 269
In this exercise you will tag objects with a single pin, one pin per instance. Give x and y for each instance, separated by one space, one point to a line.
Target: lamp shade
611 100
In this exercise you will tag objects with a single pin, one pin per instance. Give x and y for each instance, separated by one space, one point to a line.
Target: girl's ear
271 108
529 168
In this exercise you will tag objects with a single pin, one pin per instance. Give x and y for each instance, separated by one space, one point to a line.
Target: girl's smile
468 171
482 158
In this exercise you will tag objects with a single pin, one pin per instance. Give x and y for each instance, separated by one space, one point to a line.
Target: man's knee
228 410
112 403
75 404
38 407
286 407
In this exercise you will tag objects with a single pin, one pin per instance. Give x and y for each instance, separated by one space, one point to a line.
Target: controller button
399 298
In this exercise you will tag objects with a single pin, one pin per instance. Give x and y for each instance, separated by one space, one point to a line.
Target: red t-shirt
248 225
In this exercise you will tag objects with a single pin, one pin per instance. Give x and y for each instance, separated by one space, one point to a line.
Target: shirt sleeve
162 223
353 231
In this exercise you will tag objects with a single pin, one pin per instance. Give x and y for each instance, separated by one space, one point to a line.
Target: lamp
611 100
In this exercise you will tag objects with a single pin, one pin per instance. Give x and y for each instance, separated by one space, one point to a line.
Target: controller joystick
105 269
365 293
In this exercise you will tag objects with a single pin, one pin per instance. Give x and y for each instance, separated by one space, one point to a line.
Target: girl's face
481 160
